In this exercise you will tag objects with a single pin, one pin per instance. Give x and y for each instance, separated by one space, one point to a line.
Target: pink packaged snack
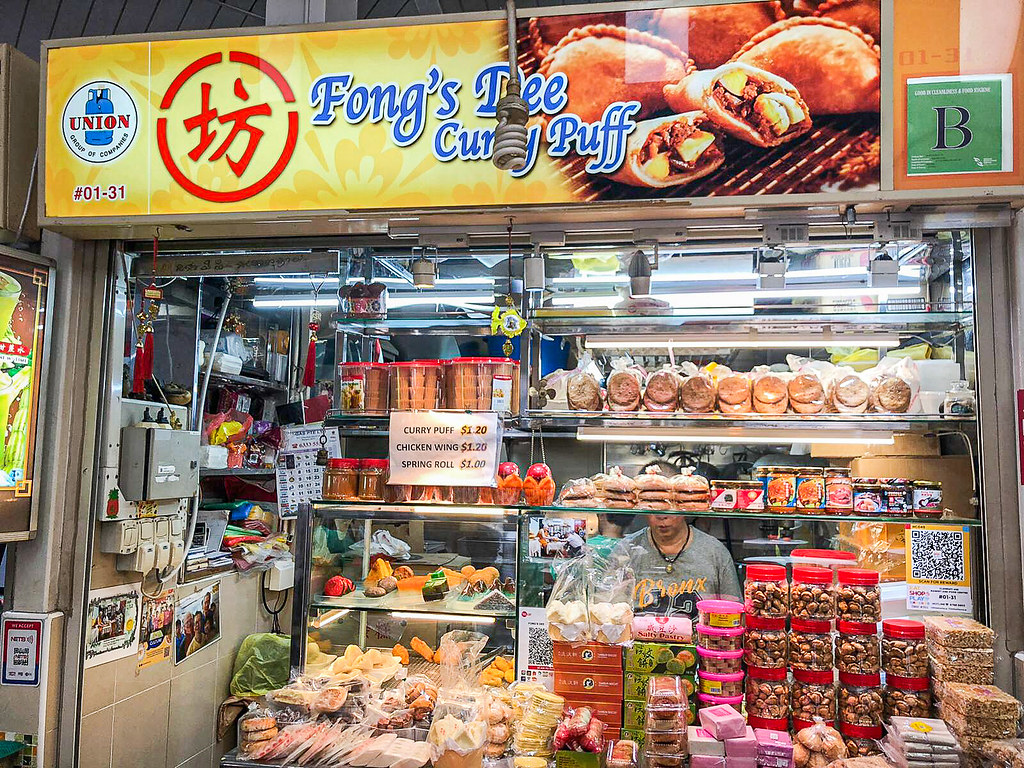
707 761
744 746
669 629
727 685
706 701
720 662
722 721
702 742
720 638
720 613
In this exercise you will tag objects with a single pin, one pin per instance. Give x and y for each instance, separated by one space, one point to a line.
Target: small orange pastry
539 486
422 649
402 653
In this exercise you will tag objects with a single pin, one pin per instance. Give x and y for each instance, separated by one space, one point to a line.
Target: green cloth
262 664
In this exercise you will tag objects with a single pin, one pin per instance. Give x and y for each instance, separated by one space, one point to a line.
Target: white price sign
444 448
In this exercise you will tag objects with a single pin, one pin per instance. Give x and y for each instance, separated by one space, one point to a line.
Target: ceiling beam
428 7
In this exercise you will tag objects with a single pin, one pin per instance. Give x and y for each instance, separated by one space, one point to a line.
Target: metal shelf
239 472
378 426
410 602
417 326
715 423
455 512
249 382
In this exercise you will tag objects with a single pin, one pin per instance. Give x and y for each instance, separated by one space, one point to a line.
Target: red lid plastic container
858 628
861 731
799 725
343 463
811 574
861 680
823 554
908 683
768 724
860 576
759 622
762 673
903 628
814 676
811 626
373 464
766 572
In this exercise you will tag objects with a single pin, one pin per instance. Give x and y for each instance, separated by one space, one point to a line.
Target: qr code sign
937 555
541 650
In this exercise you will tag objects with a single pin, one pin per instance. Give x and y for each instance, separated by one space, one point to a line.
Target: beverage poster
744 98
156 629
24 288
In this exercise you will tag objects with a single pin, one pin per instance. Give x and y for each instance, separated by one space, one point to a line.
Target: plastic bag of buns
661 390
847 391
893 385
806 387
625 385
583 386
735 391
769 391
818 746
698 392
611 603
567 610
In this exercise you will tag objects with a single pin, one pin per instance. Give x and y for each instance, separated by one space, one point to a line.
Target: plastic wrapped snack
579 493
567 609
256 729
541 712
1001 753
583 386
661 390
735 394
770 393
817 746
982 701
624 386
654 490
623 753
616 490
698 394
893 386
610 605
956 632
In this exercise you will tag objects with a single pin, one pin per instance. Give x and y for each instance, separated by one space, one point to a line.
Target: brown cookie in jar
860 699
857 647
765 643
861 741
810 644
813 695
811 595
904 651
767 693
858 597
906 697
766 591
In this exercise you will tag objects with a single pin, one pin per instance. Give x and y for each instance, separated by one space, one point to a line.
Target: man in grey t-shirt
675 565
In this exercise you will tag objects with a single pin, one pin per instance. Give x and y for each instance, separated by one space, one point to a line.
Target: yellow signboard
623 106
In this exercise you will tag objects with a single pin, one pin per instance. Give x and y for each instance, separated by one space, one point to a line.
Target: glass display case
863 459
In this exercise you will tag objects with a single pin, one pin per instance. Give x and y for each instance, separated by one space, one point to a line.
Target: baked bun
770 395
806 395
623 391
850 395
583 393
615 490
651 481
656 505
891 395
662 391
697 395
734 394
579 493
690 483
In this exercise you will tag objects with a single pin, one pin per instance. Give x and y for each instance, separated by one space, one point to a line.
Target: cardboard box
634 714
633 734
567 758
634 685
591 656
954 472
574 683
661 658
606 709
904 444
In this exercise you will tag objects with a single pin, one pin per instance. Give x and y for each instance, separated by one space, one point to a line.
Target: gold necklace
671 562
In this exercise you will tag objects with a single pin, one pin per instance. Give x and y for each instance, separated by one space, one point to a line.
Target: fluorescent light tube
732 435
427 297
461 618
294 302
330 617
741 341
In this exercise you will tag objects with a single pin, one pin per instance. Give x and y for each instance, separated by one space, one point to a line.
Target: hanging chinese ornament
309 372
508 322
143 370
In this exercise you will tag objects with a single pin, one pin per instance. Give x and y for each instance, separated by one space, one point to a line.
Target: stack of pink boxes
724 740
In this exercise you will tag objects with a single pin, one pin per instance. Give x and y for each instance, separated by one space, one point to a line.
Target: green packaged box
566 758
661 658
634 715
635 685
633 734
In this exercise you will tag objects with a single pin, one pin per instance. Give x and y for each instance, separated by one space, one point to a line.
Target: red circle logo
234 135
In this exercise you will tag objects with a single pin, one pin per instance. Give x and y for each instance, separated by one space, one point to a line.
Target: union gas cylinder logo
100 122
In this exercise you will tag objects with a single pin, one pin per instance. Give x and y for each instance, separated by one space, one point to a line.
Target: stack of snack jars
859 596
811 595
720 652
860 699
767 698
766 591
813 696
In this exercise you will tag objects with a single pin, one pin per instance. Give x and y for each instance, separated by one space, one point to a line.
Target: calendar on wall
299 478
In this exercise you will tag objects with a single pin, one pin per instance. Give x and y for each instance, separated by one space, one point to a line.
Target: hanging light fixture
424 271
533 270
639 274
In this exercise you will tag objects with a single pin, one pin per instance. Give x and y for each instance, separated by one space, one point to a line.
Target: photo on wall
557 537
156 628
196 621
112 623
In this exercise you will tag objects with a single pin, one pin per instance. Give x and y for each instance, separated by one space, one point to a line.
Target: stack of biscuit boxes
647 659
591 676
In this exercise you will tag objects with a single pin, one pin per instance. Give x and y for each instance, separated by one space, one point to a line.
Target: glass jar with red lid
862 740
906 697
857 647
373 476
838 491
860 699
767 697
904 650
811 595
810 644
812 695
365 388
859 596
766 591
341 479
765 643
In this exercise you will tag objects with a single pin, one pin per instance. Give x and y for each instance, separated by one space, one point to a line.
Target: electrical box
158 464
